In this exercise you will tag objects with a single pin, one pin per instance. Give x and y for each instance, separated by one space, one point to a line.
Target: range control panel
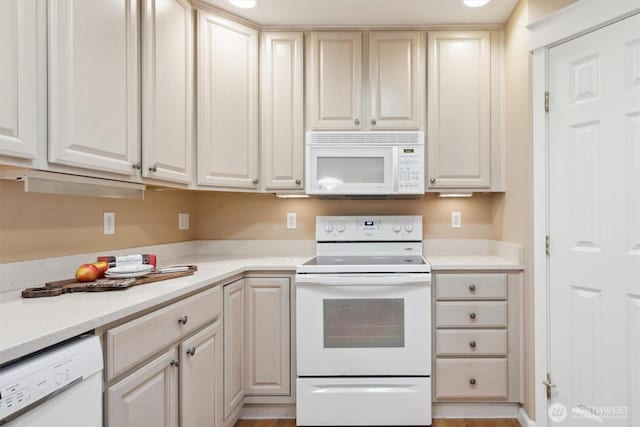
369 228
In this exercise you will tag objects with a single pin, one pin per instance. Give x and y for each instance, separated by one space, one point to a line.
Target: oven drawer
138 339
471 286
363 401
455 342
482 314
471 378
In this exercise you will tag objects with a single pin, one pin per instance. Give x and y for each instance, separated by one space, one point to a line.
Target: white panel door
459 105
594 203
201 378
334 94
234 346
93 85
167 90
268 336
227 103
18 78
397 80
282 118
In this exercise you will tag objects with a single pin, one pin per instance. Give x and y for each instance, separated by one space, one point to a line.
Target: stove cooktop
366 264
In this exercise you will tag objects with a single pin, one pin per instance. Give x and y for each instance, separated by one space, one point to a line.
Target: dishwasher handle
419 279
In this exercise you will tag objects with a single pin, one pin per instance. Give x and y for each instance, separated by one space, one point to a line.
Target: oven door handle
363 279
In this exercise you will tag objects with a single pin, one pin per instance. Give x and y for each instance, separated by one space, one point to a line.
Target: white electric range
363 310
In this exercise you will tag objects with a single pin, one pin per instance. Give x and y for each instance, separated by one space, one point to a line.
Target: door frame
569 23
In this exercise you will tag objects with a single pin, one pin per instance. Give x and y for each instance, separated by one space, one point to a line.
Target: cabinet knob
472 344
154 168
472 288
137 166
256 180
432 180
183 320
373 121
356 121
175 363
191 351
472 381
472 316
298 182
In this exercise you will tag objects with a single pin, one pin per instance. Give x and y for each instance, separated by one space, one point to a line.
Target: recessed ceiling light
244 4
475 3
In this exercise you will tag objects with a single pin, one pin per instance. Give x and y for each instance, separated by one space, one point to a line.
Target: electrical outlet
456 219
183 221
109 223
291 221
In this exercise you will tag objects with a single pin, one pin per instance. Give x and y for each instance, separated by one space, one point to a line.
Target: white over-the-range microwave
364 163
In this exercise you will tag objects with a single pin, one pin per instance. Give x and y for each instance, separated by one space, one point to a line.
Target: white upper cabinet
396 80
459 134
167 90
281 107
334 92
93 85
227 103
18 78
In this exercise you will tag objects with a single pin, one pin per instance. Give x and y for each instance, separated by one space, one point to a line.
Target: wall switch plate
291 221
456 219
183 221
109 223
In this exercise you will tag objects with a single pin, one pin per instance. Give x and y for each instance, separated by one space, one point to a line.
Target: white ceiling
370 12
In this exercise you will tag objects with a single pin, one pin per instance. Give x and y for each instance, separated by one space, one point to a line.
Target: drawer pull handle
472 288
183 320
472 381
191 351
472 316
175 363
472 344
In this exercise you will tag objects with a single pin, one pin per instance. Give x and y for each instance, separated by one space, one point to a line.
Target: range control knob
59 379
340 228
328 228
396 228
408 228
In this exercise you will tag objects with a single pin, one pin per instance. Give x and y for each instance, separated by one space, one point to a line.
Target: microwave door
351 170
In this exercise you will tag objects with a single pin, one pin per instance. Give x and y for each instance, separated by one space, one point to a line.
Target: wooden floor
442 422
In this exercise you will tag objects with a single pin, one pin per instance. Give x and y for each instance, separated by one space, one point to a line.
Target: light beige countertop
471 262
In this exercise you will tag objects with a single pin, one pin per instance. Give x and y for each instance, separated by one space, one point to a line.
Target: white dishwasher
59 387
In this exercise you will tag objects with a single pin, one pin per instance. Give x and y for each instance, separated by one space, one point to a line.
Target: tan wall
538 9
34 225
263 216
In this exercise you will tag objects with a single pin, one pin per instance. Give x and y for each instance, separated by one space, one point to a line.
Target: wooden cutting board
52 289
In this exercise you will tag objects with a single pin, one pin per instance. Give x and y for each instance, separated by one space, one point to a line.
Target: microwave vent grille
388 138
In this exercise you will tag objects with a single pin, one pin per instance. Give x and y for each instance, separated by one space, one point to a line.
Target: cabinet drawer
471 286
132 342
483 314
454 342
471 378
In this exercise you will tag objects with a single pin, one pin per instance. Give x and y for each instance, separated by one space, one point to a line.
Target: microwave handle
362 280
395 173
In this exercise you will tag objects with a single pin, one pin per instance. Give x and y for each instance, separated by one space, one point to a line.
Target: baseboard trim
475 410
524 419
252 411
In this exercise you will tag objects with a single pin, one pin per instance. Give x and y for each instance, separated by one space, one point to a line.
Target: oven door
371 324
348 169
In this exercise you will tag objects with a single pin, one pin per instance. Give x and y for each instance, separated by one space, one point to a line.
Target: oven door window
360 323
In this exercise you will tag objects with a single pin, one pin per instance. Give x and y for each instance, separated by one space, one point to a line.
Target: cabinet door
167 90
93 85
227 103
282 121
148 397
234 352
18 78
459 151
335 81
201 378
268 336
397 80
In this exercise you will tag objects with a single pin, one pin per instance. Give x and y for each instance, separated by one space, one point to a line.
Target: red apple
87 273
102 267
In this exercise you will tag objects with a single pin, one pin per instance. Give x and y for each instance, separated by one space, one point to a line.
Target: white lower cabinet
234 313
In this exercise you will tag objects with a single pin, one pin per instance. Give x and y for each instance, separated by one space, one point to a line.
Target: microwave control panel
410 169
